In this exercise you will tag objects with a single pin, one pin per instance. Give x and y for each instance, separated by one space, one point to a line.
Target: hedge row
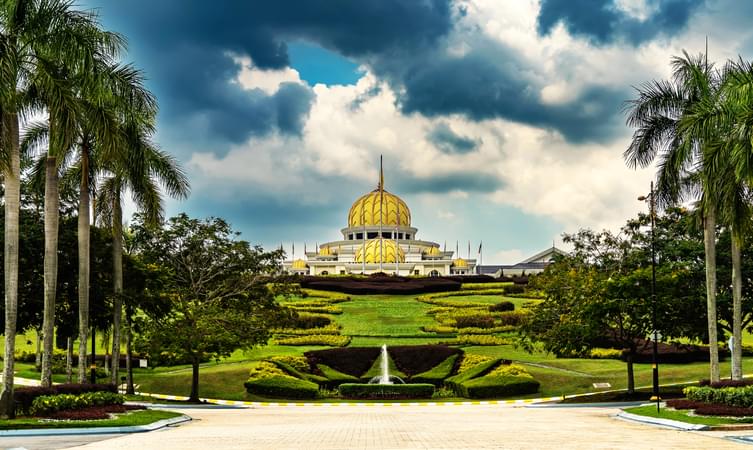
437 374
329 329
333 377
730 396
478 370
282 386
315 339
478 339
47 404
498 386
726 383
386 391
24 396
381 284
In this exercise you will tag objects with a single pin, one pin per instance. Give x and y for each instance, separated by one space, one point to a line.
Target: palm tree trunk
130 389
117 280
51 213
83 264
69 360
737 317
12 179
709 240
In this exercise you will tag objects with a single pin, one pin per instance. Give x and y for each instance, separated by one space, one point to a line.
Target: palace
379 237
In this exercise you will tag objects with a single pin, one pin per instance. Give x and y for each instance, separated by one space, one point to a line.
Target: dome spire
381 175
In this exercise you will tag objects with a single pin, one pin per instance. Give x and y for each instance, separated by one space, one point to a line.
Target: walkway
412 427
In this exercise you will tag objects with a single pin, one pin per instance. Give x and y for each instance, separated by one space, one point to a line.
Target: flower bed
94 412
386 391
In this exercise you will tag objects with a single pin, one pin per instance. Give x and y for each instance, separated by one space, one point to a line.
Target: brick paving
413 427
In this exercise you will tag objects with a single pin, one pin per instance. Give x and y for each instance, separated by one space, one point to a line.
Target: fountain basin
386 391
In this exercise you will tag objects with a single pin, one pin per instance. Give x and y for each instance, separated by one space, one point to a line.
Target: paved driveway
412 427
402 427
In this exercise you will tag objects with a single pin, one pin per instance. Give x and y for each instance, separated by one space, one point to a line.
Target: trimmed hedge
731 396
726 383
334 378
386 391
353 361
502 306
293 372
315 339
498 386
478 370
48 404
436 375
282 386
381 284
24 396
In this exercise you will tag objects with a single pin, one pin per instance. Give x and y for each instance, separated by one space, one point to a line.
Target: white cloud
512 256
445 215
269 81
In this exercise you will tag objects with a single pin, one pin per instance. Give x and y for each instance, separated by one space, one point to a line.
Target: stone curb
676 424
96 430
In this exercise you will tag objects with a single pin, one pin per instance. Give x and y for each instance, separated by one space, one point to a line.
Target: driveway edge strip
662 422
97 430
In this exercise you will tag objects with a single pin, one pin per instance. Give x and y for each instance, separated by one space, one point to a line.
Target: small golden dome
433 251
460 262
374 249
299 264
325 251
368 209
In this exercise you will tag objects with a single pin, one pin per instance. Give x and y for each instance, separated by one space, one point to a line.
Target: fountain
385 377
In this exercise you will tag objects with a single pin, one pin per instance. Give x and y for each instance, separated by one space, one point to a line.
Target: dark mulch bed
706 409
353 361
622 396
415 359
682 403
93 412
381 284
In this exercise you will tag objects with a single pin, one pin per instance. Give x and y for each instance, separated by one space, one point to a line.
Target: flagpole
397 241
363 235
381 214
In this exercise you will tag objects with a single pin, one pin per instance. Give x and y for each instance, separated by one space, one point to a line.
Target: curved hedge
334 378
437 374
282 386
498 386
381 284
386 391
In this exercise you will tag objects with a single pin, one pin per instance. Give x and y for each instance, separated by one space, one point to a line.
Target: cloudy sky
498 120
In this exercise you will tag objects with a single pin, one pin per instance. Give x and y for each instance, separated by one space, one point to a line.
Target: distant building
533 265
379 237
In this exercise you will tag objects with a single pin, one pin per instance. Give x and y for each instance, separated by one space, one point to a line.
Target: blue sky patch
319 65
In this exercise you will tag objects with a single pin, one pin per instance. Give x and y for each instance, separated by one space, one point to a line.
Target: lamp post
655 336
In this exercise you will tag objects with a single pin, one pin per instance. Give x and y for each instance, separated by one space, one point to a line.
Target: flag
293 249
469 249
304 248
479 247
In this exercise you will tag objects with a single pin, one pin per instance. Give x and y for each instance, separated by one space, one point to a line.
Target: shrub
681 403
484 286
334 378
479 339
48 404
477 370
321 309
439 329
330 297
309 321
477 321
726 383
723 410
415 359
381 285
24 396
502 306
730 396
299 363
353 361
498 386
514 318
437 374
512 370
605 353
282 387
94 412
514 289
386 391
469 361
316 339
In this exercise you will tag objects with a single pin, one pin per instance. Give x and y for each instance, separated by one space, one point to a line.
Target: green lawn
384 315
684 416
133 418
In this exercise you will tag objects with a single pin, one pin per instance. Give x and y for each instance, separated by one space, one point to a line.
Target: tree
684 169
600 295
33 33
218 287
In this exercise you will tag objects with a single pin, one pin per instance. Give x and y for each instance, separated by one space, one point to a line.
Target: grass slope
134 418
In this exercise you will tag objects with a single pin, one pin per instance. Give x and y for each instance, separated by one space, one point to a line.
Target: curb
101 430
668 423
246 404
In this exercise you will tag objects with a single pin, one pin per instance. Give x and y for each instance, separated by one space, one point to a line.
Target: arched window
324 272
434 273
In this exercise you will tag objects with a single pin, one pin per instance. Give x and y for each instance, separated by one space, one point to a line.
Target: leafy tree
686 170
218 289
600 295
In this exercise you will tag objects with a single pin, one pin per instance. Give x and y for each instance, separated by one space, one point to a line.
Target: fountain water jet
385 377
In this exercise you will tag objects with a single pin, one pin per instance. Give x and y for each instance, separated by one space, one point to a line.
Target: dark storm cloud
602 22
441 184
185 49
450 142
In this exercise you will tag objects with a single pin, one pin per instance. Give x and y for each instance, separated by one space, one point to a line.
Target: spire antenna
381 174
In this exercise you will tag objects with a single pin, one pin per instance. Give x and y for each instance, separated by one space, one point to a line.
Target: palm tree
33 34
141 169
684 172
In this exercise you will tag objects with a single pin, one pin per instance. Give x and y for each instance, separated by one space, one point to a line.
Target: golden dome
325 251
374 250
433 251
460 262
367 210
299 264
